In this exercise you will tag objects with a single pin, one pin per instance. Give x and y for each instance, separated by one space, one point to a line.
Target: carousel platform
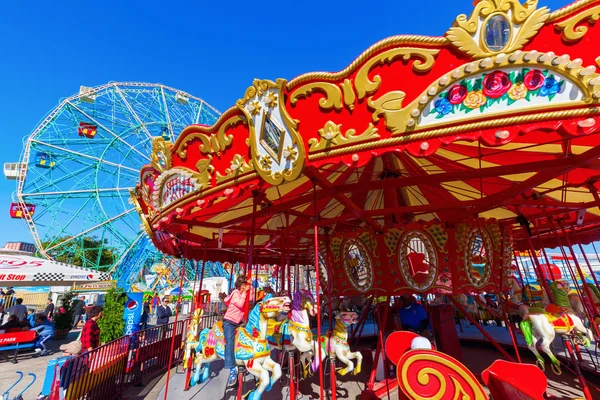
476 357
215 387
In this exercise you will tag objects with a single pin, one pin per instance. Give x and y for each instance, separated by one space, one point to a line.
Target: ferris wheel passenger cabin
12 170
44 160
16 211
87 130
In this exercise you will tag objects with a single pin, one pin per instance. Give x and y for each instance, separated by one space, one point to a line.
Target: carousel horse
470 307
576 304
192 338
294 333
594 292
337 345
252 349
515 305
558 318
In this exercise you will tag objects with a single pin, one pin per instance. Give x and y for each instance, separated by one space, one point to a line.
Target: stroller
6 394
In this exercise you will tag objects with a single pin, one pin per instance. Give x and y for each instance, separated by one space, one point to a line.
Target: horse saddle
556 316
275 332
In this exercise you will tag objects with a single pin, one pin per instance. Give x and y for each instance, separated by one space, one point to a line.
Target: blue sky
209 49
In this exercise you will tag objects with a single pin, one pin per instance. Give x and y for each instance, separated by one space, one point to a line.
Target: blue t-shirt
412 316
46 328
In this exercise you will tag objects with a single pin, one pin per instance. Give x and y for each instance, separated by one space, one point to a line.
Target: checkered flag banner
48 276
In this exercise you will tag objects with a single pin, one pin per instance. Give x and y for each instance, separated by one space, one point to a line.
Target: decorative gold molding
211 143
239 166
363 85
598 62
349 95
262 164
331 136
454 129
526 17
332 99
400 119
140 212
570 32
561 12
205 171
423 63
161 157
393 41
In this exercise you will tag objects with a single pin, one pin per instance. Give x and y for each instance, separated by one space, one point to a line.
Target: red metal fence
105 372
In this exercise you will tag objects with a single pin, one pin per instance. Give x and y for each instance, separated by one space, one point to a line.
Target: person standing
155 303
49 310
90 334
78 311
145 315
163 312
413 316
19 310
10 291
235 302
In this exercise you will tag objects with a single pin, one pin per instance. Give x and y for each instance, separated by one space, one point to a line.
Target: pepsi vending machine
133 312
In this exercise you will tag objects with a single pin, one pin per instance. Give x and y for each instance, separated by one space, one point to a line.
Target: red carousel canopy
497 121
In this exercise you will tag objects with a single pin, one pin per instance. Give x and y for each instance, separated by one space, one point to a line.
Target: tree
111 324
63 317
86 251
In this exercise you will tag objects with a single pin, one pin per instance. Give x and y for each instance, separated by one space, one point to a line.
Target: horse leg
548 337
349 364
263 379
275 370
531 331
304 361
359 357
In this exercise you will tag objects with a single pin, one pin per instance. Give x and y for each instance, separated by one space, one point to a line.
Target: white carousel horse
558 318
294 333
337 346
252 349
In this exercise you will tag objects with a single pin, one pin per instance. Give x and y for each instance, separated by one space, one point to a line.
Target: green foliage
111 324
86 251
63 316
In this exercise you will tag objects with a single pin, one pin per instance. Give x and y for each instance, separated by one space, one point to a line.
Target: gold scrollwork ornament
238 167
269 96
570 31
210 143
161 157
522 21
331 136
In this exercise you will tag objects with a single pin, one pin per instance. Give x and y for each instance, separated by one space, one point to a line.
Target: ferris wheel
78 165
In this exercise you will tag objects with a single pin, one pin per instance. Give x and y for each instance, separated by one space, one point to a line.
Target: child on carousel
235 302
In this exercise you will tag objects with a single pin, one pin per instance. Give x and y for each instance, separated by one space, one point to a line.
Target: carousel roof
498 119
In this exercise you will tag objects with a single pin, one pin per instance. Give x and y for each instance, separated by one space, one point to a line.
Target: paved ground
26 364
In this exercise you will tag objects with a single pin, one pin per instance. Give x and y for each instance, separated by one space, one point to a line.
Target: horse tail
527 331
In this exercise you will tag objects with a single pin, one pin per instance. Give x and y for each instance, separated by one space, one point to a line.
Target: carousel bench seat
15 342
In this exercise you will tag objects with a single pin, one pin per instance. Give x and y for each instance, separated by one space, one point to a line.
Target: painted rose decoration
496 84
482 92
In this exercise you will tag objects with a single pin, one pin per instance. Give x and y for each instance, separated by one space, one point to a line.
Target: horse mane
561 298
254 318
297 302
593 289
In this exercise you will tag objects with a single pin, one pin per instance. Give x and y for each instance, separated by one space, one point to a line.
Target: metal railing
35 301
105 372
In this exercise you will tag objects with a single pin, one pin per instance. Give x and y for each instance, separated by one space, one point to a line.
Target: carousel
422 168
